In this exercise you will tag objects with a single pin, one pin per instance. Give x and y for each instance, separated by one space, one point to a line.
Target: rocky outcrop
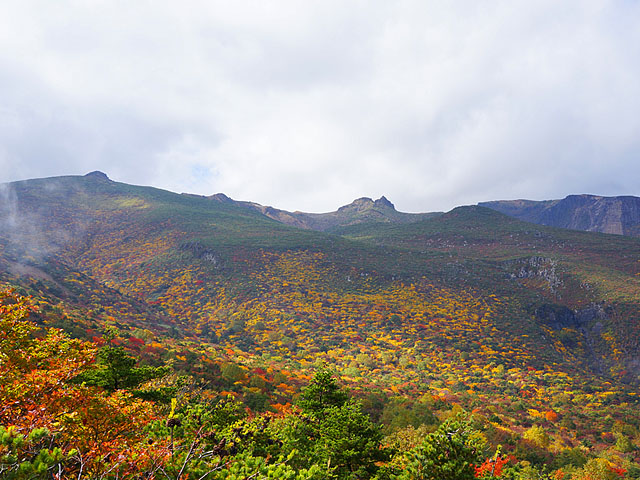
588 324
536 266
559 317
203 253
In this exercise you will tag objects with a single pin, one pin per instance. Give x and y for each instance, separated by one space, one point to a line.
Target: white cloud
307 105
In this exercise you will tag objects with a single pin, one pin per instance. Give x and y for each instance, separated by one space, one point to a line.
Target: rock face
361 210
592 213
541 267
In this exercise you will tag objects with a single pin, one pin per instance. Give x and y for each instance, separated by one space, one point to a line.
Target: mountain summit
366 203
97 174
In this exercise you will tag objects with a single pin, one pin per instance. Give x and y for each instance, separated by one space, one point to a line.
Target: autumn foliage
209 302
90 431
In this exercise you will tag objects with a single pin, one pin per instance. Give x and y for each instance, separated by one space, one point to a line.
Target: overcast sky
306 105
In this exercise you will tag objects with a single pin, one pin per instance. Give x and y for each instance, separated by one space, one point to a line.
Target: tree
449 453
349 441
50 425
537 436
116 370
333 431
601 469
323 392
245 466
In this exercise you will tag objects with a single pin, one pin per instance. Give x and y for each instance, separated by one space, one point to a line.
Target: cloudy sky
309 104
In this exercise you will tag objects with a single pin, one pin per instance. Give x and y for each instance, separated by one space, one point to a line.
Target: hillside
618 215
523 324
140 242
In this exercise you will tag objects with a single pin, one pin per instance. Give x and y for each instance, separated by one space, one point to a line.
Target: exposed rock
588 323
359 204
200 251
536 267
220 197
556 316
383 202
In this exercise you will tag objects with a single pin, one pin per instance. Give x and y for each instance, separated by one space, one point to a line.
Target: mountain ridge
618 215
361 210
587 212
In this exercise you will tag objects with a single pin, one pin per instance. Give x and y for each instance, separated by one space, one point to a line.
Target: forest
76 409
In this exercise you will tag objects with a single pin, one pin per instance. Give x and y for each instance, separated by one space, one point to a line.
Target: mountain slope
618 215
571 270
189 257
472 307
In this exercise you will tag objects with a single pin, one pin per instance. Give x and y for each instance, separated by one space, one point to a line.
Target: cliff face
617 215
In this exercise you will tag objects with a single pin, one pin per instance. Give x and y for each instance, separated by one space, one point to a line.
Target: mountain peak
594 213
98 175
365 203
220 197
384 202
361 203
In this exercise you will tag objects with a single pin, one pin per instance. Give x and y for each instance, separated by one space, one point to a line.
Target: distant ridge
361 210
593 213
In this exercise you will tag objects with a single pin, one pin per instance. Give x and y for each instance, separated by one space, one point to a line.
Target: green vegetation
301 354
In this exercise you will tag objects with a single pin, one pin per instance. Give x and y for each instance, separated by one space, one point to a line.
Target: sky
307 105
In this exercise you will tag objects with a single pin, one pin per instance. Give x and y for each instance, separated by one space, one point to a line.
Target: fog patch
30 232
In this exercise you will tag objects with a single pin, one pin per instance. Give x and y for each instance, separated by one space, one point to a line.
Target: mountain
592 213
361 210
183 257
471 307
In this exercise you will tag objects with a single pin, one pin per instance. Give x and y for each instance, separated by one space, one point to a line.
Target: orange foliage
37 391
551 416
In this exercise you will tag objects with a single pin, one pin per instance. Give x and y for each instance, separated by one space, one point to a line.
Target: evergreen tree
323 392
333 432
449 453
115 370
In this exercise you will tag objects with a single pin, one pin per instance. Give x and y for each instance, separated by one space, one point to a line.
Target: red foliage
136 341
551 415
618 470
37 391
491 468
